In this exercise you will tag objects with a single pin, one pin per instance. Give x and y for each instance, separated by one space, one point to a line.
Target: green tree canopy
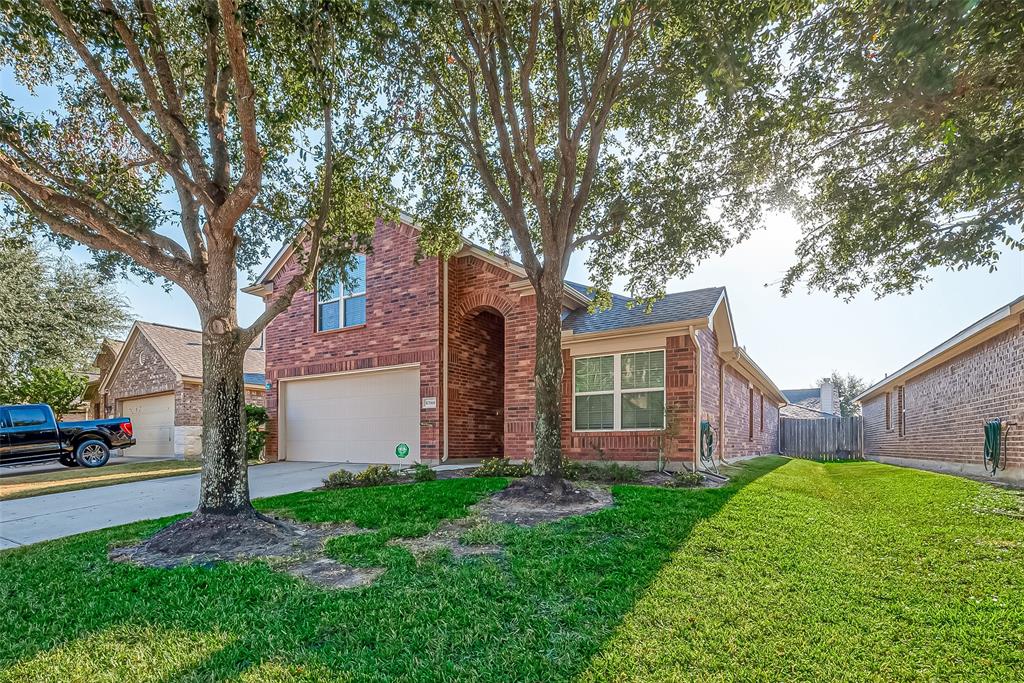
601 126
59 388
902 125
190 138
53 312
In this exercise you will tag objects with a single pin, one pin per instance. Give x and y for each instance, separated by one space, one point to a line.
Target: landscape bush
374 475
502 467
687 479
603 473
421 472
342 479
256 418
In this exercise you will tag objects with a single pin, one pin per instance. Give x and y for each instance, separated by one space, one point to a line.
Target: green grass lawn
74 478
796 571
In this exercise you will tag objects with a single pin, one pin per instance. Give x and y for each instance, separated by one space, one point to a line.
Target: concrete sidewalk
41 518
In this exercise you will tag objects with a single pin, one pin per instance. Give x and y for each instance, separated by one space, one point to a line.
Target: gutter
994 323
696 412
444 363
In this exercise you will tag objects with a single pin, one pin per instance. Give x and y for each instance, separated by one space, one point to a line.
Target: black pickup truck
30 433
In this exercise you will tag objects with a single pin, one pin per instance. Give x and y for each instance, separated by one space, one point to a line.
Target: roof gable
181 350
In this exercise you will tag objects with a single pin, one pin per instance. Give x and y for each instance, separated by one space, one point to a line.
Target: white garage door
152 424
359 418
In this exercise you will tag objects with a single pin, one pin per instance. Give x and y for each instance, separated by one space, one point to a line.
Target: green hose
993 434
707 444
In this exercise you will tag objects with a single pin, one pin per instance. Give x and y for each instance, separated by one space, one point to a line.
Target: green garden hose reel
995 446
707 446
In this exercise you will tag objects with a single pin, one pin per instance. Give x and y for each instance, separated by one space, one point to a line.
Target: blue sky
795 339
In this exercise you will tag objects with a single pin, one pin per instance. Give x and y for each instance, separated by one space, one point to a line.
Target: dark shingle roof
699 303
801 395
802 412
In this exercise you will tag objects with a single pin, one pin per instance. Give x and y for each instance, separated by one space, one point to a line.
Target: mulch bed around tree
530 501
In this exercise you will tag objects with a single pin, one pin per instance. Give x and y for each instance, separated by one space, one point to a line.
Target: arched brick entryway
476 379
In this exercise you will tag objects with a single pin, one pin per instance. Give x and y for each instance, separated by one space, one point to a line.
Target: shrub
342 479
421 472
609 473
572 469
502 467
375 475
59 388
687 479
255 438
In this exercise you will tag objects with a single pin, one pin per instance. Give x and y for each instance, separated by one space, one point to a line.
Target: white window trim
343 295
617 391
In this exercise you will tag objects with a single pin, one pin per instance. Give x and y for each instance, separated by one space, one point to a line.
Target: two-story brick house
419 359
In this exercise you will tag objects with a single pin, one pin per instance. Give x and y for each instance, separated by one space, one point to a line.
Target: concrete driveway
31 520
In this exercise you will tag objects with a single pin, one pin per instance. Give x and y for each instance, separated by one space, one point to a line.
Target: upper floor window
619 391
343 303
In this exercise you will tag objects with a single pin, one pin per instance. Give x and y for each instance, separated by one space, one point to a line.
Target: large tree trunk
547 377
225 477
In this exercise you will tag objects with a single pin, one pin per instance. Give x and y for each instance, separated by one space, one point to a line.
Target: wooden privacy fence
835 438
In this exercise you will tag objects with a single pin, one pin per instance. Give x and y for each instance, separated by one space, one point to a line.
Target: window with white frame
342 303
622 391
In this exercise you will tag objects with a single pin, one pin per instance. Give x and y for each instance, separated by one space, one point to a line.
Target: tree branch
248 186
169 164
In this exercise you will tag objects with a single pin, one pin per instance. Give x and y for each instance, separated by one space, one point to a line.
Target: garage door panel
152 425
352 418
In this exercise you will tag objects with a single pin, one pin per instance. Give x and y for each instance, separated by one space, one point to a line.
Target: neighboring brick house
105 358
931 412
419 359
812 404
156 379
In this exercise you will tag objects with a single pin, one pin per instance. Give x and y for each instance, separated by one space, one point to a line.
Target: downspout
721 410
444 362
696 409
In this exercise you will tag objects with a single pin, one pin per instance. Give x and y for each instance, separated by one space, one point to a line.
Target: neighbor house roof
998 321
803 395
182 350
802 411
624 313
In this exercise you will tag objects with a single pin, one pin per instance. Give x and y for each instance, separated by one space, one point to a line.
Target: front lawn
75 478
796 571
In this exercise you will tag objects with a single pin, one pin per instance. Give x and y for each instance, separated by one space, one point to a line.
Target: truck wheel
67 461
92 453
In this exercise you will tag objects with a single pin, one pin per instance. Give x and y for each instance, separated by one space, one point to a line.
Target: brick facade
946 406
743 403
402 327
490 358
142 372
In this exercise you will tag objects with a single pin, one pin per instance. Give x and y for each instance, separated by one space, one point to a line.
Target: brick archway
476 387
486 299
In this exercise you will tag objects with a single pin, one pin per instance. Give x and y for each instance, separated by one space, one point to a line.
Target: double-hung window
622 391
342 303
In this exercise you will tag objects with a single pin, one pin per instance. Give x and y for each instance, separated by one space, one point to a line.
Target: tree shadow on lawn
539 612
